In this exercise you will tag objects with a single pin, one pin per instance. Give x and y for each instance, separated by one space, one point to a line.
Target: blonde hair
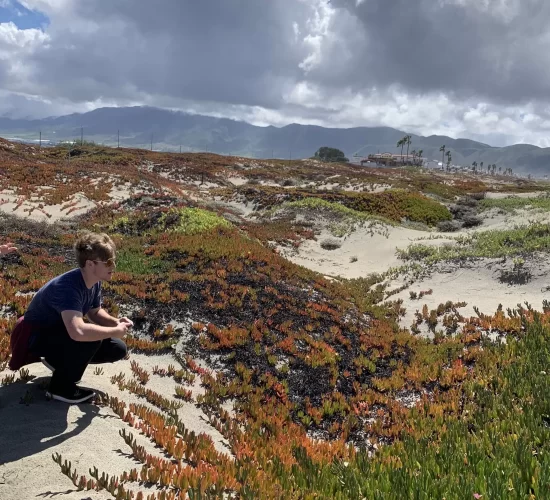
93 246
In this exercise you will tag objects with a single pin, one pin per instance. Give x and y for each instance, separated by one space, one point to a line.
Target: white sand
494 219
237 181
377 253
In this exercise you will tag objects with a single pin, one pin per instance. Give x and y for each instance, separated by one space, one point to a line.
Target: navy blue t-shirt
67 292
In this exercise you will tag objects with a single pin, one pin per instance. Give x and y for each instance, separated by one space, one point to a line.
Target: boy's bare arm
87 332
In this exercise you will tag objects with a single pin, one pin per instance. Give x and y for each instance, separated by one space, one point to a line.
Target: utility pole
118 139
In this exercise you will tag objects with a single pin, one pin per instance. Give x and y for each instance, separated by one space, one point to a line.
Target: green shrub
191 220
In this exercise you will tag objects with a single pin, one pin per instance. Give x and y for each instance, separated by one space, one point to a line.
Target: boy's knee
120 350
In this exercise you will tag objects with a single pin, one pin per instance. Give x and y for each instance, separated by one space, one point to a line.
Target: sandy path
86 434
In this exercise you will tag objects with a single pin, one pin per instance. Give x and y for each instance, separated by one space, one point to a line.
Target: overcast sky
464 68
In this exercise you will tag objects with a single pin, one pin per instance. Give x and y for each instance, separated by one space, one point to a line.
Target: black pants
69 357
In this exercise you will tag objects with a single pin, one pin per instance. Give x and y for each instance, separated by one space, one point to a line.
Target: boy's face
104 270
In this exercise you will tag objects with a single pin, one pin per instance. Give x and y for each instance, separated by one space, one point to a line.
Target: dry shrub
478 196
468 201
330 244
471 221
448 226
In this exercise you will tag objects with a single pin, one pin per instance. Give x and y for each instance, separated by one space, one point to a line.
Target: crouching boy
53 325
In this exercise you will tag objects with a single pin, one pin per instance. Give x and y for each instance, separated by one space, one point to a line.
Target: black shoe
72 395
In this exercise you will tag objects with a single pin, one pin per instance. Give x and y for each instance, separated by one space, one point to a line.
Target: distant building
392 160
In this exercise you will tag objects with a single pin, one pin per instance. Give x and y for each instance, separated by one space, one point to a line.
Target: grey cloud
231 51
500 52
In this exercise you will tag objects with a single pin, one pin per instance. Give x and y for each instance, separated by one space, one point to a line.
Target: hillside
257 373
168 130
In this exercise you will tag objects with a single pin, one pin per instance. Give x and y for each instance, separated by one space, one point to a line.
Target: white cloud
11 37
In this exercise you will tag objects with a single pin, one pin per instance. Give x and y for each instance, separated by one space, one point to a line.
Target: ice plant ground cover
316 389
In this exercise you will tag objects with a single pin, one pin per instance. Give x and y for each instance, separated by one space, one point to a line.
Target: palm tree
408 142
448 160
474 164
413 153
481 166
401 142
442 149
420 152
499 170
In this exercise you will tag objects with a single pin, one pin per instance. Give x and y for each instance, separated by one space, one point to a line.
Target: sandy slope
374 252
363 253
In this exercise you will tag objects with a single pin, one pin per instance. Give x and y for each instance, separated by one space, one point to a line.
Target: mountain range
168 130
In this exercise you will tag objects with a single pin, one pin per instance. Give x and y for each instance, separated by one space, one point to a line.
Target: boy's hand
127 321
7 248
121 330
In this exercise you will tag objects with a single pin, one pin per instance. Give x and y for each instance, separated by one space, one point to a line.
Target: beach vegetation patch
522 240
340 219
514 203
